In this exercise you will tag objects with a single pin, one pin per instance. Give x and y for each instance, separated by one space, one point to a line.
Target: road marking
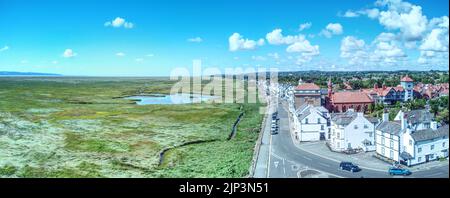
432 175
284 169
323 164
276 164
307 158
270 151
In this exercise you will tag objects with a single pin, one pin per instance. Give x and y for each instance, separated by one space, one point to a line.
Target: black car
348 166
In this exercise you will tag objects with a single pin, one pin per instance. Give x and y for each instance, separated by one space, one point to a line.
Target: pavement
281 157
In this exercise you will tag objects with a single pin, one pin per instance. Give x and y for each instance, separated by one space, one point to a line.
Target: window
432 147
410 142
392 144
382 150
391 136
404 148
322 127
355 127
306 120
419 150
443 144
419 159
318 121
338 135
427 125
382 141
431 156
370 134
365 126
391 154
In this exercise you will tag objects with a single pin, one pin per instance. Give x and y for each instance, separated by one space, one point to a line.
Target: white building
412 138
352 130
388 138
425 145
313 123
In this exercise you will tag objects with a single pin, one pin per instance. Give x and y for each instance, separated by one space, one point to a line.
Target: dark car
399 171
348 166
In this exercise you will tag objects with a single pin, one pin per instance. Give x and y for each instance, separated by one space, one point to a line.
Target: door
349 145
322 136
427 158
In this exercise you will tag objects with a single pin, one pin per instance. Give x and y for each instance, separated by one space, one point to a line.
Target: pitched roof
406 79
343 118
351 97
419 116
429 134
307 86
393 128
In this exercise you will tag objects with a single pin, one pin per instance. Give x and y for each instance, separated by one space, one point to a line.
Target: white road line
284 169
323 164
307 158
270 151
432 175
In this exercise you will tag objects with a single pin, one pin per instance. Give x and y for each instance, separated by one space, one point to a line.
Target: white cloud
371 13
303 47
259 58
139 60
407 18
150 55
332 29
354 50
195 40
304 26
54 62
120 54
388 51
24 61
274 55
237 42
436 40
350 14
69 53
4 48
276 38
385 37
119 22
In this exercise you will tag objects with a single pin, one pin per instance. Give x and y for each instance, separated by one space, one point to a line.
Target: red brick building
344 100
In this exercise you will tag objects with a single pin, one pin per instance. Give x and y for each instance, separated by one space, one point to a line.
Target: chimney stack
385 116
404 120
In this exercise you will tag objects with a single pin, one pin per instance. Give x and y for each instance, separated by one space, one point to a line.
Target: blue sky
129 38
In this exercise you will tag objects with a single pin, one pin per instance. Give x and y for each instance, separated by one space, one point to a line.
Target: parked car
348 166
399 171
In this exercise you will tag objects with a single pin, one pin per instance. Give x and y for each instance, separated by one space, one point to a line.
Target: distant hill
9 73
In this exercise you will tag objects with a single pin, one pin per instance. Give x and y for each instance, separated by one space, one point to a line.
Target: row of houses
413 137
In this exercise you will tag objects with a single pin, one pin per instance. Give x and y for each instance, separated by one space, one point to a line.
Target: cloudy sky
151 38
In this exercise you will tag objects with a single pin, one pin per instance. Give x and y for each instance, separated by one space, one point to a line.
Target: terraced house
411 138
352 131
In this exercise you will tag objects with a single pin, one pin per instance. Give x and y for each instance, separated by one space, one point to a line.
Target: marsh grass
79 127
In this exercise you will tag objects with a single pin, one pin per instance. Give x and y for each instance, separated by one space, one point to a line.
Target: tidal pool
170 99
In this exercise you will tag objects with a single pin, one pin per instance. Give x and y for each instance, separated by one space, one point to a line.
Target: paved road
286 160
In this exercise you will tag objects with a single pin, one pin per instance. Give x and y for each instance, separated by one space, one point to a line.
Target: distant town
395 127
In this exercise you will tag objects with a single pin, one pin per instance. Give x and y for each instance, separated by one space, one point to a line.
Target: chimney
384 87
385 116
375 86
404 120
433 125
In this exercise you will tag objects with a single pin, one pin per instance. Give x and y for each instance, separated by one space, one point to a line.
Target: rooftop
429 134
393 128
351 97
407 79
307 86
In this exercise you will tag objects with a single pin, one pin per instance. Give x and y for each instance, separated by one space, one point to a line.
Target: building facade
313 123
352 130
307 93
